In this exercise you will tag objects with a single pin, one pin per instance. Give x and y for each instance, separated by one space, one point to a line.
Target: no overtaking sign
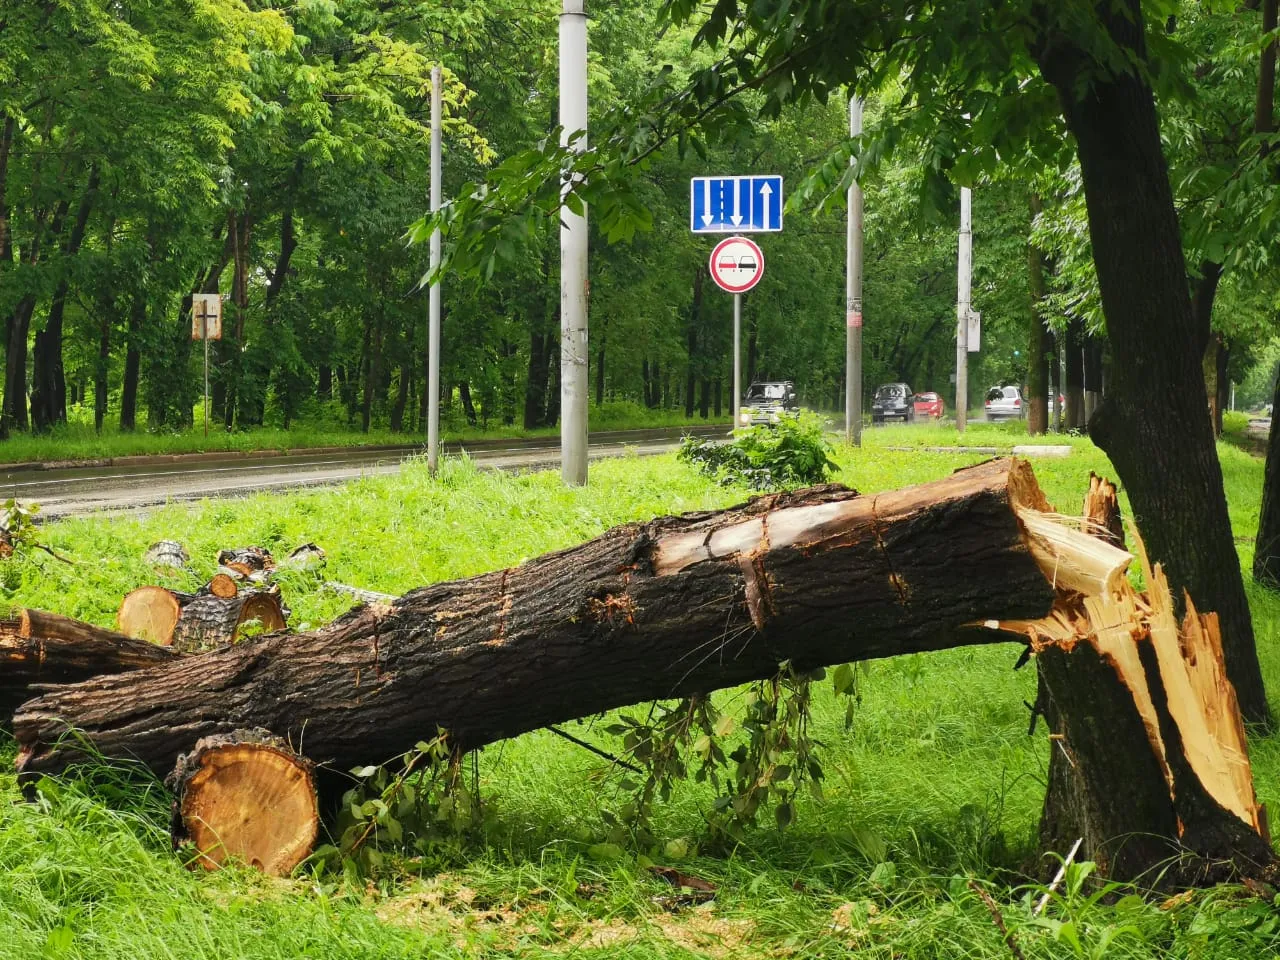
737 264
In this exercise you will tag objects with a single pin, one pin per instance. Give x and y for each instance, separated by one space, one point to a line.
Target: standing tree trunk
402 399
1040 340
1266 547
132 363
1093 347
464 396
49 383
1152 424
1055 381
1074 374
535 389
600 368
691 340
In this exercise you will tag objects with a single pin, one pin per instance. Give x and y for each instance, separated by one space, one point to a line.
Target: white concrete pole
573 252
963 285
433 327
853 299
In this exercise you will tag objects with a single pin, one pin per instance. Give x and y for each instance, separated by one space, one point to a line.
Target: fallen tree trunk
38 649
646 611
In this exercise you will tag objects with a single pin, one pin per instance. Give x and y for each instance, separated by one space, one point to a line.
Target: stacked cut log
685 605
192 622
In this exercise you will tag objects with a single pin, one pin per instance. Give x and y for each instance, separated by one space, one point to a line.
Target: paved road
70 491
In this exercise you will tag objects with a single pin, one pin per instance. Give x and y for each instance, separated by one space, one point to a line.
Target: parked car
929 405
892 401
1005 403
767 402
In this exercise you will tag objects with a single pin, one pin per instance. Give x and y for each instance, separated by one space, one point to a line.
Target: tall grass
936 785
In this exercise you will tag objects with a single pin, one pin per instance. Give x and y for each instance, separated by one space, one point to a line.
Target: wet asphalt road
74 490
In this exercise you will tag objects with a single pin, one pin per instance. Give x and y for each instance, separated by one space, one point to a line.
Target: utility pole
963 284
853 299
433 326
573 251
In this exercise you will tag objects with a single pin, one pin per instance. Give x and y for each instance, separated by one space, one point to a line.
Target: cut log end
246 798
222 586
149 613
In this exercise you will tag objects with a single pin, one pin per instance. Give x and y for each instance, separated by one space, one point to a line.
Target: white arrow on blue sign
736 204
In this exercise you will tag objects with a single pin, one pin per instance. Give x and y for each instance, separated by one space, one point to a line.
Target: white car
1005 403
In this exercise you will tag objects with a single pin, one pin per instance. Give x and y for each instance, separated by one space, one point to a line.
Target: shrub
792 453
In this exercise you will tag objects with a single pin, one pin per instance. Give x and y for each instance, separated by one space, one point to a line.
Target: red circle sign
737 264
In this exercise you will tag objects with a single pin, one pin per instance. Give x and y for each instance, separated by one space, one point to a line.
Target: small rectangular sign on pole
206 325
975 331
206 316
735 204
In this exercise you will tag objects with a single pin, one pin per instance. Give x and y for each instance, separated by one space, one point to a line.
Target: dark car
893 401
767 402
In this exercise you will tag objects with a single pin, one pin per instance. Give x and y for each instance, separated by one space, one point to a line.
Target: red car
929 405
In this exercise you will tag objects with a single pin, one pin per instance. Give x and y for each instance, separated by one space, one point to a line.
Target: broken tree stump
38 649
1149 768
647 611
245 796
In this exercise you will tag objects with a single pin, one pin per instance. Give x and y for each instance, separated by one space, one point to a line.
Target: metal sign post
737 264
206 325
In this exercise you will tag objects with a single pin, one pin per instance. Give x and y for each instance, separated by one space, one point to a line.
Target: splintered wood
1098 605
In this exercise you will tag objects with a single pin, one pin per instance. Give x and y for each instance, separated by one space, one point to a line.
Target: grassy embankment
936 783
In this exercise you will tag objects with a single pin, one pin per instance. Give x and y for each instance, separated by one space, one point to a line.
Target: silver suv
1005 403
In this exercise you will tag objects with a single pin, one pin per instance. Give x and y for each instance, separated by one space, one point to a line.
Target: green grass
936 783
77 440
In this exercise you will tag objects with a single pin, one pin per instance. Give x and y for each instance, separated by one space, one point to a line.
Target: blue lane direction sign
735 204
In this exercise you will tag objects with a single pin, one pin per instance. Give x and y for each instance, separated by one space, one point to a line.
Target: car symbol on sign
747 263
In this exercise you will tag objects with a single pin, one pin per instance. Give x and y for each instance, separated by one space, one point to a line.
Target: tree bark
655 610
1152 425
